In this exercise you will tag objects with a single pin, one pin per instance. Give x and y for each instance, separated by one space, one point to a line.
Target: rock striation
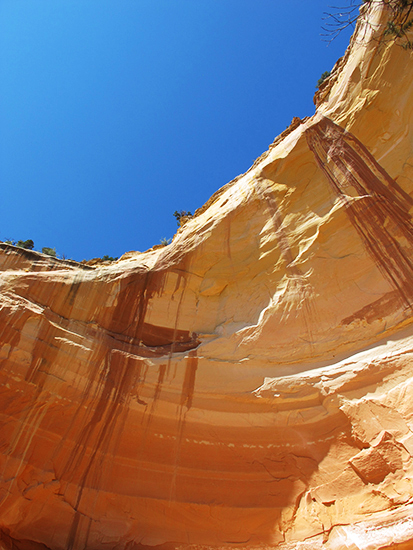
249 385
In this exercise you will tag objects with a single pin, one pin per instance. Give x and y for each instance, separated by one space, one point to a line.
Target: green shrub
107 258
181 214
29 244
325 75
166 241
49 251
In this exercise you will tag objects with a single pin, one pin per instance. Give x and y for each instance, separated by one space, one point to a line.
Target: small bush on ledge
49 251
182 216
323 77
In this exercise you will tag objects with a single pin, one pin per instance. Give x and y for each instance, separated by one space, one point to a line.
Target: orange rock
249 385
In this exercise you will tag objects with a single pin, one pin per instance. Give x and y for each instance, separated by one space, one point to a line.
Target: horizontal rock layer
248 385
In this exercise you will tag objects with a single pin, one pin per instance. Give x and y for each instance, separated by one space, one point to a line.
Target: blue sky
116 113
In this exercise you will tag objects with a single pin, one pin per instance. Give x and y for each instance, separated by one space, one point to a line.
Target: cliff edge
250 384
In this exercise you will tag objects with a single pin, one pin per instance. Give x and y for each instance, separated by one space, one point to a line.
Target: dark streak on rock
189 380
161 376
119 375
116 373
386 305
132 302
182 273
128 320
157 393
44 354
376 205
187 393
74 289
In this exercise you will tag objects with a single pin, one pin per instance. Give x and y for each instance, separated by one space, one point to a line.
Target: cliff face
249 385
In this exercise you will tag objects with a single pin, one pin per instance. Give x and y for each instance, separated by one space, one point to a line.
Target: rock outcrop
248 385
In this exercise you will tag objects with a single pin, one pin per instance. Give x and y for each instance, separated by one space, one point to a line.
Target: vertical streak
376 205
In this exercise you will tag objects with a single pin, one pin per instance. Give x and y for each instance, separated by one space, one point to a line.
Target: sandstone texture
249 385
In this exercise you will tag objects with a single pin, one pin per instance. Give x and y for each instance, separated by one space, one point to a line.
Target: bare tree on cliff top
342 17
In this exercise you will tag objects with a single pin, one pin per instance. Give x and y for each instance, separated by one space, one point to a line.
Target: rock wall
248 385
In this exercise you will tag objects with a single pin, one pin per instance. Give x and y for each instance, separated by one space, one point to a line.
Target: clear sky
116 113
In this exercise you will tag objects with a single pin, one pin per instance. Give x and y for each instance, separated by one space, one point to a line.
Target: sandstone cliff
249 385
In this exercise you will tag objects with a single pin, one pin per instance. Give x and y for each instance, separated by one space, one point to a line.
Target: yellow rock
249 385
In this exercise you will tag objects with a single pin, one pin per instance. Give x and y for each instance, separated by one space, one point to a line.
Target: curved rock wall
249 385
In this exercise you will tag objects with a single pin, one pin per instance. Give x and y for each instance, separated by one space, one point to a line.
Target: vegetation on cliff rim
323 77
29 245
182 216
400 21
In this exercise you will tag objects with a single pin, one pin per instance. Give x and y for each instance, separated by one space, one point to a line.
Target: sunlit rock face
249 385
